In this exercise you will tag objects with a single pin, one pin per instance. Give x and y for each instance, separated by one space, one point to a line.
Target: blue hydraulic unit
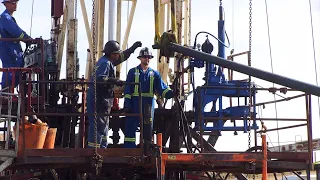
216 87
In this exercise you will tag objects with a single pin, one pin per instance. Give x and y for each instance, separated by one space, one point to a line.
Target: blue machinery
216 87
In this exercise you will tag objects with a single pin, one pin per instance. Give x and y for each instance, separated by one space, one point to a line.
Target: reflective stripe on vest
130 139
127 96
104 137
165 92
93 144
136 80
21 36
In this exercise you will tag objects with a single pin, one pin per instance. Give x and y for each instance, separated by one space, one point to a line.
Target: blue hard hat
3 1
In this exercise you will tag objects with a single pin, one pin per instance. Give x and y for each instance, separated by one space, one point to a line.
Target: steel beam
7 153
268 76
86 152
6 164
214 157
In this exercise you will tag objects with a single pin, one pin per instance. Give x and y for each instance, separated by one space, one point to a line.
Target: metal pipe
309 131
82 125
265 158
281 80
157 35
173 17
287 127
112 17
29 113
211 119
159 141
280 100
159 159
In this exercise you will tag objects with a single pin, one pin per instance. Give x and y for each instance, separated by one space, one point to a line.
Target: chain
96 156
249 64
250 83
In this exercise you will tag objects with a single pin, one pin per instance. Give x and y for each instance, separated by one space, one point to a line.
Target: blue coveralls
10 52
105 95
151 82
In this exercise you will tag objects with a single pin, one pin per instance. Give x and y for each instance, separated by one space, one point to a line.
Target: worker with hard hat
105 72
11 53
151 83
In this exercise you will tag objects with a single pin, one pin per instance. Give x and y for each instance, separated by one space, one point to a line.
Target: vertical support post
21 118
156 6
100 35
317 168
199 100
163 66
186 35
147 128
159 141
265 158
173 17
127 33
119 12
61 37
71 43
112 16
19 113
162 161
309 131
89 37
118 31
89 67
141 118
129 24
81 136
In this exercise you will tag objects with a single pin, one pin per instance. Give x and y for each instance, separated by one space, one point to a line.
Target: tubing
281 80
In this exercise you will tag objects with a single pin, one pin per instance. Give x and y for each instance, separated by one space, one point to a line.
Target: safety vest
136 87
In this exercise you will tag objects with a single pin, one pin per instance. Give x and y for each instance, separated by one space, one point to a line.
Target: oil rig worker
151 83
11 53
105 72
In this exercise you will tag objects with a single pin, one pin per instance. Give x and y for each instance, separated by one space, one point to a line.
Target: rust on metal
212 157
82 152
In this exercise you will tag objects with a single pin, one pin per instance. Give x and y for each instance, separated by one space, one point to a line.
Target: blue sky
291 45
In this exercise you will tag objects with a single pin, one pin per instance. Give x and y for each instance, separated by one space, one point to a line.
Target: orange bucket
50 138
35 136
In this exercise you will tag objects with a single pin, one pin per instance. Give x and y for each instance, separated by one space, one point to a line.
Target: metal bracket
6 164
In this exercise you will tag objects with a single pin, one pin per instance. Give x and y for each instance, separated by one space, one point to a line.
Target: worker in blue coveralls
151 83
105 72
11 53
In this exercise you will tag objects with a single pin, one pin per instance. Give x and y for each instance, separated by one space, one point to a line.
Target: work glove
135 46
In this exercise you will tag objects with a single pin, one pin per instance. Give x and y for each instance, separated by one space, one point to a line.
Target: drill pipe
281 80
